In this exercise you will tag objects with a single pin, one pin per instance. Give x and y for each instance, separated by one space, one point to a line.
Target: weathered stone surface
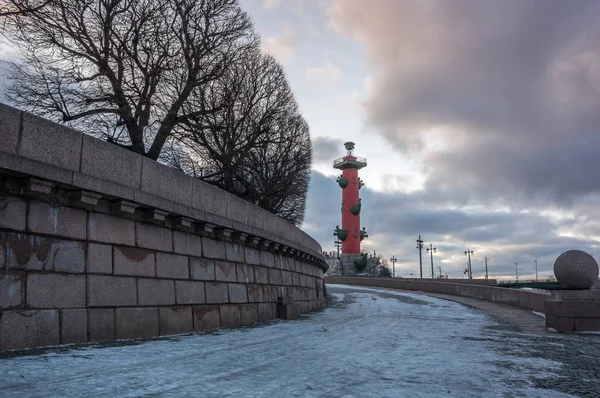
133 261
50 143
244 273
234 252
96 184
110 291
188 244
23 329
267 259
172 266
251 255
266 312
56 220
73 326
109 229
55 291
154 237
295 279
208 198
261 275
3 250
275 276
237 293
267 293
133 323
255 294
32 252
99 259
230 315
225 271
237 209
249 313
11 289
216 293
156 292
206 317
576 269
213 248
153 201
174 320
10 122
190 292
202 269
166 182
286 278
101 324
110 162
13 212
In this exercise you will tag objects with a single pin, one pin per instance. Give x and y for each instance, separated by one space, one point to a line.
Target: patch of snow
552 330
539 314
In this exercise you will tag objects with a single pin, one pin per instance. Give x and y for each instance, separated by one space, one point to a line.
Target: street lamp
536 278
420 247
393 260
468 253
431 250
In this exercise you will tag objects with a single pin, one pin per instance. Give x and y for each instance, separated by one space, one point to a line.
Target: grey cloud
323 147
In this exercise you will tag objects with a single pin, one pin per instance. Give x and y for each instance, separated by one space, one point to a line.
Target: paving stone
11 290
101 324
172 266
73 326
230 315
156 292
55 291
133 261
154 237
190 292
225 271
238 293
13 212
24 329
175 320
33 252
99 259
212 248
202 269
187 244
109 229
206 317
216 293
111 291
134 323
62 221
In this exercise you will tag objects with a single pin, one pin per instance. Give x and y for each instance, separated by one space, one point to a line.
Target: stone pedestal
570 311
348 266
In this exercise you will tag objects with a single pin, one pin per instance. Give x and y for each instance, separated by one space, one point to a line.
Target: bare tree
125 69
9 7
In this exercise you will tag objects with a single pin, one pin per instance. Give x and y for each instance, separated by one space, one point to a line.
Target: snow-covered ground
367 343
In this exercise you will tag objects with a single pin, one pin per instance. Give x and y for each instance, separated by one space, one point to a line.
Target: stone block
156 292
101 324
172 266
230 315
255 294
234 252
190 292
576 295
256 216
134 323
244 273
110 291
11 289
99 259
265 312
106 187
3 250
267 293
587 324
154 237
249 313
274 276
56 220
237 209
133 261
238 293
153 201
286 278
110 229
32 252
261 275
206 317
295 279
202 269
267 259
216 293
13 212
110 162
175 320
208 198
10 124
251 255
24 329
35 168
166 182
55 291
50 143
213 248
188 244
225 271
73 326
289 311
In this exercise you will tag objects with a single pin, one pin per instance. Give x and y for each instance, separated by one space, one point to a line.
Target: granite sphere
576 269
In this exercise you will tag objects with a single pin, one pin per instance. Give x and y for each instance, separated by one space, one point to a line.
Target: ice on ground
367 343
539 314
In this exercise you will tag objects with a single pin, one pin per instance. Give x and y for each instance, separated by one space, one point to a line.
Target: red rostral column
350 234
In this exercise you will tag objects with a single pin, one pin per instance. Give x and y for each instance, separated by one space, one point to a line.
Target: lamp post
420 247
393 260
486 258
468 253
431 250
536 277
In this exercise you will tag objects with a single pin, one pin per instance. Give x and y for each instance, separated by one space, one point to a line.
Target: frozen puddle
367 343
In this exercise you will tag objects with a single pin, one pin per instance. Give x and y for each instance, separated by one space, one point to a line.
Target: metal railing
341 160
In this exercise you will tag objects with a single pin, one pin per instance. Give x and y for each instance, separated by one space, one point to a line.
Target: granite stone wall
98 243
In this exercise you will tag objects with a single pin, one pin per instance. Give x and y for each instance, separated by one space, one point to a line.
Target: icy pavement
367 343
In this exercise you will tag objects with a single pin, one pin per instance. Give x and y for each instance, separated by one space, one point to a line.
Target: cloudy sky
480 121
